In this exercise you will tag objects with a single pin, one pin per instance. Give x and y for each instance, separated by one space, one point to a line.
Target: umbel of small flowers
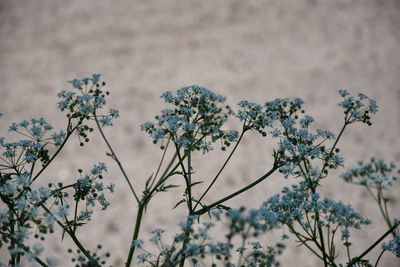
195 122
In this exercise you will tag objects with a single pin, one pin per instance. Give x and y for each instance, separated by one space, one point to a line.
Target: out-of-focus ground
254 50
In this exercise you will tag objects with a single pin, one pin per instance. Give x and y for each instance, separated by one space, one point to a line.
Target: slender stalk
164 176
379 258
69 133
70 233
37 259
259 180
76 214
114 157
303 241
185 175
159 165
135 234
189 176
321 237
221 169
334 146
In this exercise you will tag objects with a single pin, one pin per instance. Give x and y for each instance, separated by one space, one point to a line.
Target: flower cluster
89 188
28 151
296 142
374 173
306 208
258 117
195 122
22 212
84 102
357 109
393 246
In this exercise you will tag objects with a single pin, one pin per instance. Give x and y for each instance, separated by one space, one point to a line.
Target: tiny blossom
96 78
63 210
111 187
255 245
4 216
158 231
155 239
143 257
90 201
24 179
58 138
76 83
137 243
99 168
114 113
86 215
103 202
288 169
98 186
241 249
51 261
191 249
38 248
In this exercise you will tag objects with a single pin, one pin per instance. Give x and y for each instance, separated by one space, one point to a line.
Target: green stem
76 215
259 180
35 257
114 157
70 233
219 172
298 235
159 165
189 176
321 238
379 258
333 147
185 175
165 175
69 133
135 234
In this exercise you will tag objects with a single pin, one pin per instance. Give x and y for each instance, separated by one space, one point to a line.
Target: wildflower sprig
195 122
357 109
82 103
299 207
376 176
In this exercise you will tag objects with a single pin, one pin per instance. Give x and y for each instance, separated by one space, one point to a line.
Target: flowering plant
195 122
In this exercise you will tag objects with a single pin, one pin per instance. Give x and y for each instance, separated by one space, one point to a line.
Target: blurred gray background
254 50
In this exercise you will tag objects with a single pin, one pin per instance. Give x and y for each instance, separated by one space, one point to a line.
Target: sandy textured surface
254 50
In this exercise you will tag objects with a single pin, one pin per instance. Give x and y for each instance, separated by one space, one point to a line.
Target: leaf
224 207
148 181
180 202
196 183
193 184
